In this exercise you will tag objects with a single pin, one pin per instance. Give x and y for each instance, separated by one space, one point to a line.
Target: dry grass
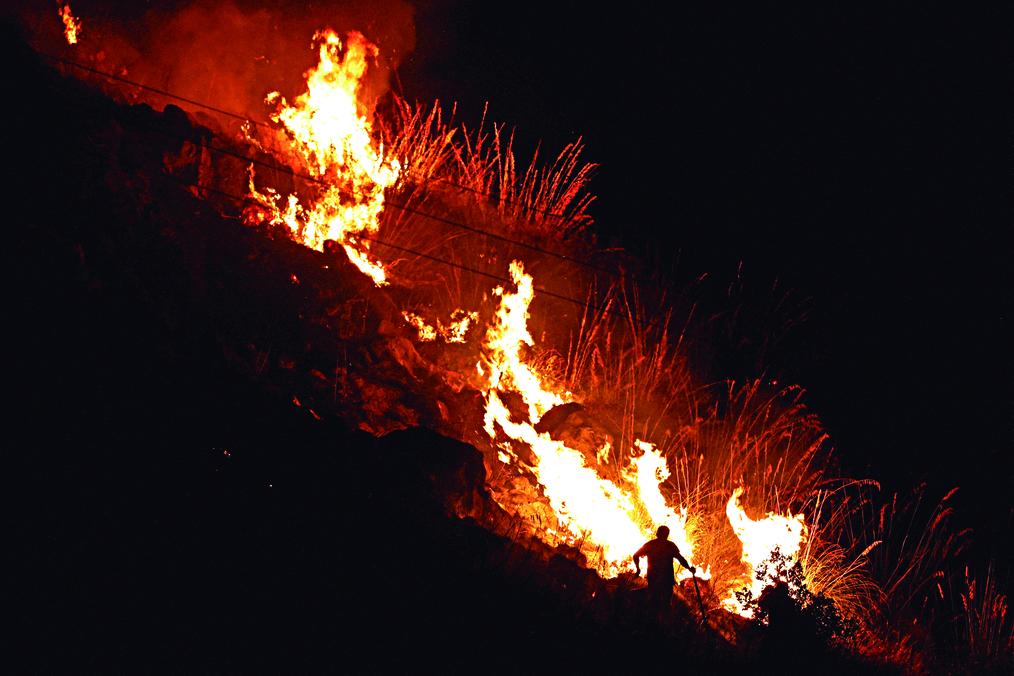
628 358
984 628
916 538
881 560
545 201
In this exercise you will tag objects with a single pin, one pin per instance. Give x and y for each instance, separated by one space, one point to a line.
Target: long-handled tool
704 613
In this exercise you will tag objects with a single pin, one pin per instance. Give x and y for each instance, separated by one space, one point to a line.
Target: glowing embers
608 520
760 539
71 24
455 331
330 139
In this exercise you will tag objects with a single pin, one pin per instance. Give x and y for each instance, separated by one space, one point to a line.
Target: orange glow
71 24
331 141
454 331
457 329
427 333
608 521
649 472
760 538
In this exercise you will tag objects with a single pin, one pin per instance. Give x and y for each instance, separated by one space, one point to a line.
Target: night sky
853 162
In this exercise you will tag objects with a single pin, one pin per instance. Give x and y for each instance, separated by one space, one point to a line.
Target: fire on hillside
415 274
606 500
591 486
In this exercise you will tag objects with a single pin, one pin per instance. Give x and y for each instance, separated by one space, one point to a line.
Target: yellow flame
71 24
505 336
649 471
457 329
427 333
452 332
332 141
609 521
760 538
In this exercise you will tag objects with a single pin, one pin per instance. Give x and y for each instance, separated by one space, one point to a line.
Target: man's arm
683 562
637 559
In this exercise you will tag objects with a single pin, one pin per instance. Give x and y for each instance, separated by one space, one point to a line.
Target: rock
573 425
453 471
556 417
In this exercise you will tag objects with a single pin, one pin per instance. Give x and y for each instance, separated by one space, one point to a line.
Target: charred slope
172 511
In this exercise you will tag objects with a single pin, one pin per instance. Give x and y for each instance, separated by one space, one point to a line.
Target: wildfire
331 140
760 539
71 24
605 501
610 521
452 332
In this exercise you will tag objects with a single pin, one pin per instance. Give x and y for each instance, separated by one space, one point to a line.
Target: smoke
226 54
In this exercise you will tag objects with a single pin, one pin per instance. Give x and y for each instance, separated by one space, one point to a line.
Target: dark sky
859 157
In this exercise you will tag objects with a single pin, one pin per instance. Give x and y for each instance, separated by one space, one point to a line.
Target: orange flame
609 521
427 333
760 539
457 329
452 332
649 472
71 24
332 140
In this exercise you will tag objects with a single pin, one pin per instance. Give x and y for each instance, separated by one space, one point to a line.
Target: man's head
662 533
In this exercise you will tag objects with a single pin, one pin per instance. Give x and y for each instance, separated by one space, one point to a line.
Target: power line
258 123
319 181
500 198
502 238
155 90
605 308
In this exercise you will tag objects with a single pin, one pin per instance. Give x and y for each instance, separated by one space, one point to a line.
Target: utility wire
605 308
319 181
155 90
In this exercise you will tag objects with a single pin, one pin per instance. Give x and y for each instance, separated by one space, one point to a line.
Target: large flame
649 472
609 521
760 539
332 141
71 24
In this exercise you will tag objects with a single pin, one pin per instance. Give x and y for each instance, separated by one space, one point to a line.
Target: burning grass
625 360
547 201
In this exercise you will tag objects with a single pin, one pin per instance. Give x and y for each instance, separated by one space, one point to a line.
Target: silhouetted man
661 578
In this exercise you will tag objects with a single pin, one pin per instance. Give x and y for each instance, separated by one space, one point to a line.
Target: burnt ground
168 512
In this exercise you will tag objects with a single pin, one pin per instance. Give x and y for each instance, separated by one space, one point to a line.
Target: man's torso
661 554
